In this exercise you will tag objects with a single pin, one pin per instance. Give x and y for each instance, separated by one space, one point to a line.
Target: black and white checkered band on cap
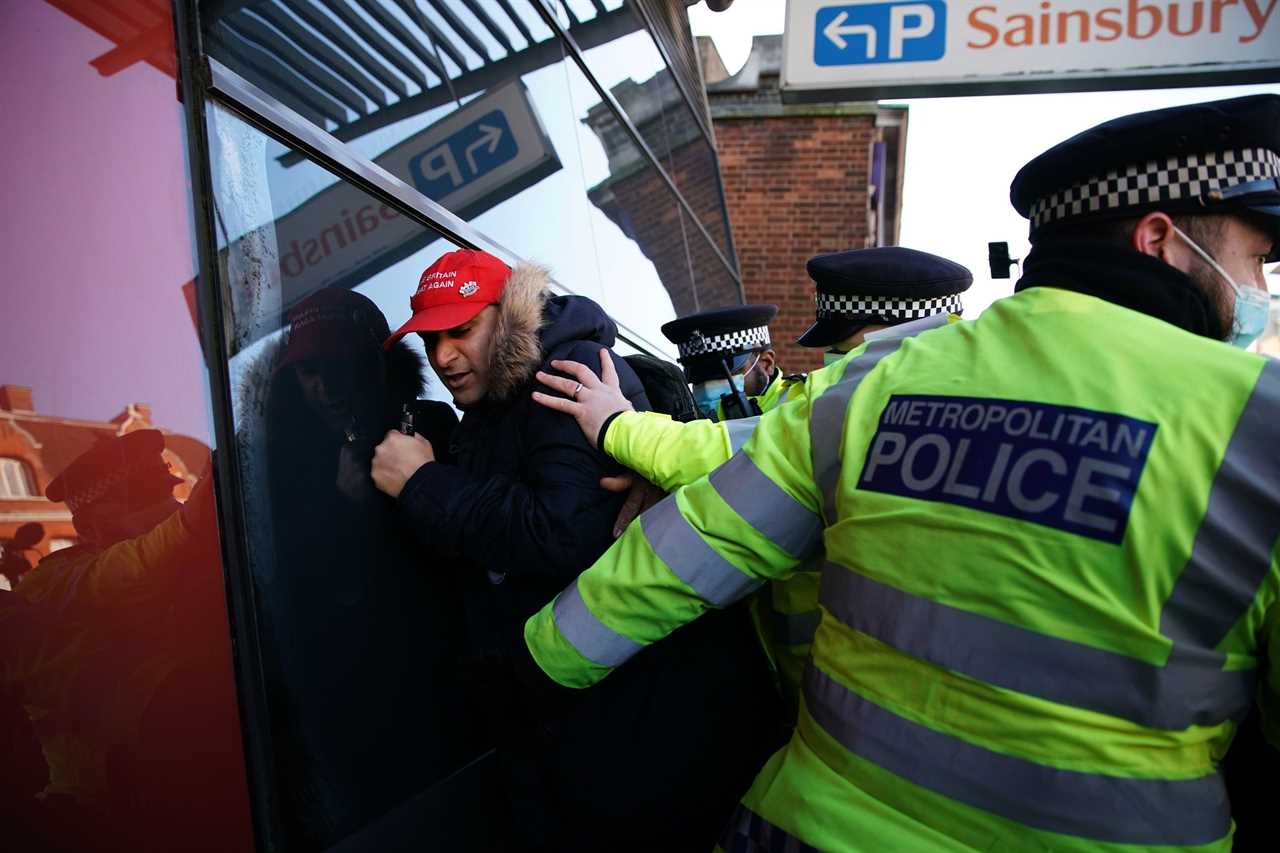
1175 178
888 307
95 490
742 340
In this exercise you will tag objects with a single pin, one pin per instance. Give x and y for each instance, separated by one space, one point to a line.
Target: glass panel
355 67
512 155
716 286
118 711
361 630
632 68
625 187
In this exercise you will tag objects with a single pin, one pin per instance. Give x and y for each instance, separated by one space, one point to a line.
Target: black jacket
655 757
523 505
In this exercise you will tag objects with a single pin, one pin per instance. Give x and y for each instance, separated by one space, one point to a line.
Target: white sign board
840 49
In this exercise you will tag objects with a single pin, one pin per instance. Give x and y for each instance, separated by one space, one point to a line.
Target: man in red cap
654 762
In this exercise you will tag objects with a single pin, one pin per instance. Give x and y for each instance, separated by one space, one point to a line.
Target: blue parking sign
867 33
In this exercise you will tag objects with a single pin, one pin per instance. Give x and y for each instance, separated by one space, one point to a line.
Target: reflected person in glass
123 666
357 627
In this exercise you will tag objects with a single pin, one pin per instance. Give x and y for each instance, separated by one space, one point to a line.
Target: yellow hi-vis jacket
1052 573
671 454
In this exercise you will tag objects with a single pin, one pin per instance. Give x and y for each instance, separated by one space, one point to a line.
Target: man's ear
1154 235
768 361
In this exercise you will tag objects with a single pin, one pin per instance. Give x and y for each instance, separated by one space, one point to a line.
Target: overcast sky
962 153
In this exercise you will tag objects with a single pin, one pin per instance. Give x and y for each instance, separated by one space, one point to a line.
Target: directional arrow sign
837 30
489 136
863 33
466 155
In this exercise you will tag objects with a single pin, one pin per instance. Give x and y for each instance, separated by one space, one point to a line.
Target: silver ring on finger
574 395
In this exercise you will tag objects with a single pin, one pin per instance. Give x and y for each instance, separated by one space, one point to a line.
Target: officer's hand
199 512
591 400
398 458
641 494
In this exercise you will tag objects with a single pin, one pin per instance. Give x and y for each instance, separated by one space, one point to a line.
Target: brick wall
796 186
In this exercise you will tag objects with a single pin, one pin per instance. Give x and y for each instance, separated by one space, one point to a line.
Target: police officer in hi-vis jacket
888 290
1051 574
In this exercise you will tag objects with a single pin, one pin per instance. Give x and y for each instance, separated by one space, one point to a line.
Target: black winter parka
655 757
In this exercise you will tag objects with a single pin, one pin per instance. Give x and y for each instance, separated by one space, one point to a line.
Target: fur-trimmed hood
533 324
266 397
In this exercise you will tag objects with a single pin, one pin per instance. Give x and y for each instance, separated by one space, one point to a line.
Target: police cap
1215 157
129 469
882 286
709 339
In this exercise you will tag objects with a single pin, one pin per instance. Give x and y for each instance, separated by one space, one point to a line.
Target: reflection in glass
498 136
637 201
118 715
360 629
632 68
716 286
354 67
510 155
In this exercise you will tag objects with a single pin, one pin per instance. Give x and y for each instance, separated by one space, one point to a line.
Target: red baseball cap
453 290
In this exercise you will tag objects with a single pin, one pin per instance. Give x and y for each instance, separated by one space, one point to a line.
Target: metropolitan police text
1073 469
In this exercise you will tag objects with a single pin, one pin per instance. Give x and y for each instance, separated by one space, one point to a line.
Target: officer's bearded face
463 356
756 379
1240 246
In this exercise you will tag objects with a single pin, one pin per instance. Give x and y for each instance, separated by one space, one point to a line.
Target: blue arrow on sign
469 153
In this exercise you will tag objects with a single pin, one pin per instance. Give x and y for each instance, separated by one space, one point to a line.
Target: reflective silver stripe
795 629
1114 809
1234 546
826 421
747 832
764 505
1184 692
739 431
717 581
594 640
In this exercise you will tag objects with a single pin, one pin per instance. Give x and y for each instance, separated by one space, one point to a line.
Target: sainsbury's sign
835 49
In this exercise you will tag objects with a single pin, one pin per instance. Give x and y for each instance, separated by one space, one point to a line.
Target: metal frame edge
250 693
625 121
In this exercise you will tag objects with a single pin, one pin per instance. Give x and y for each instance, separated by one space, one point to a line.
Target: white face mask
1252 305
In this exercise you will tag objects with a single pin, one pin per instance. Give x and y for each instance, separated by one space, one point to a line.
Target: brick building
799 180
35 448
